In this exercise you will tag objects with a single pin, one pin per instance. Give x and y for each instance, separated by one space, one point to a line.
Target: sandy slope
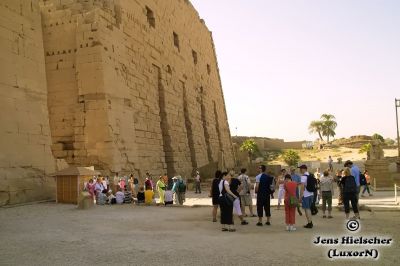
344 153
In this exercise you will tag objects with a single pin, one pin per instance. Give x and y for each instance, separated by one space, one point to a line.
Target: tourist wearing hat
179 189
161 187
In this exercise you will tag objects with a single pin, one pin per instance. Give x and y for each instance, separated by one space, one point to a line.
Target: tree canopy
250 146
378 137
291 157
326 126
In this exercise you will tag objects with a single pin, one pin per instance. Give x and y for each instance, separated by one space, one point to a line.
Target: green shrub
291 157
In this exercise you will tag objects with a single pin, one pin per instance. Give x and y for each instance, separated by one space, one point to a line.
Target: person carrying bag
226 198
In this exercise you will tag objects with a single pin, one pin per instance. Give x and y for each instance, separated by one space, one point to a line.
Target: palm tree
328 125
316 127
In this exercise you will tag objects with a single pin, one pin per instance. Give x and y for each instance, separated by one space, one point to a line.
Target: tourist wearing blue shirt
355 171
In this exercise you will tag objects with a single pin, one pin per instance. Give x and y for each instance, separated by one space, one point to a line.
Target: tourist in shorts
235 187
245 193
306 196
214 193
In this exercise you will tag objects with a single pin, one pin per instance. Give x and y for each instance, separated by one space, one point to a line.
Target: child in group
140 196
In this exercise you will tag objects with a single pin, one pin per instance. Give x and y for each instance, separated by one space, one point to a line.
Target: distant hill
352 142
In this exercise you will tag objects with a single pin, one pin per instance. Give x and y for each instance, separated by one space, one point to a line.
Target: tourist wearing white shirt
306 196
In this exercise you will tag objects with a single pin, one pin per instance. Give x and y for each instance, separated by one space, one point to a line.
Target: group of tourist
129 190
233 194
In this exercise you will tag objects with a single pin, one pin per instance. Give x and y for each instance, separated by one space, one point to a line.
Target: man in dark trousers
263 190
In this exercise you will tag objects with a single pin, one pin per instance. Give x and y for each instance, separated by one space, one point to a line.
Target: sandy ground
51 234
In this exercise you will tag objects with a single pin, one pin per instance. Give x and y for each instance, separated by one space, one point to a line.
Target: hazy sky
284 63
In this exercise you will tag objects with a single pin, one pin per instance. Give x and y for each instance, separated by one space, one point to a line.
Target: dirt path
51 234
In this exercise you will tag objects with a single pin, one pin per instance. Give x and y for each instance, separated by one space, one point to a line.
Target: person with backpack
367 183
315 202
245 194
179 188
308 188
264 183
236 186
349 193
355 171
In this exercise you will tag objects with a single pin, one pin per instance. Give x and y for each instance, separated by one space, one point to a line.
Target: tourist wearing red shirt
290 211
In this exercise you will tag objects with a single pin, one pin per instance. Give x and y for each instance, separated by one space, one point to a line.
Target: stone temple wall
134 86
25 142
124 85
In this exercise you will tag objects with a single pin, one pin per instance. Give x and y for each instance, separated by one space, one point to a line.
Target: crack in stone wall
188 126
166 136
205 127
25 142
